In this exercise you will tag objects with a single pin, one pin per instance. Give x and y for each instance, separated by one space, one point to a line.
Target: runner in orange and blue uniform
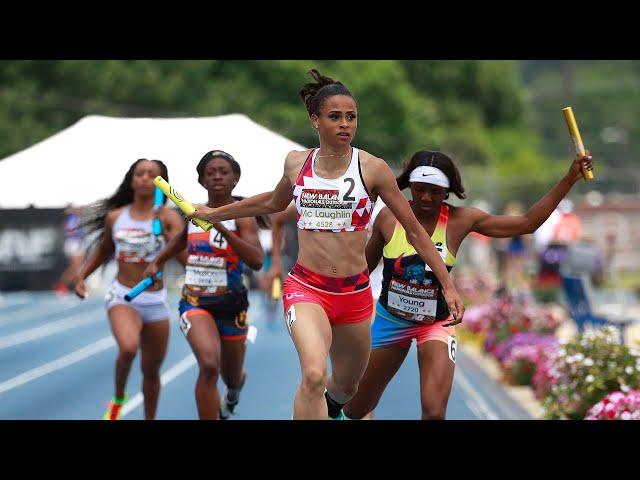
411 305
213 309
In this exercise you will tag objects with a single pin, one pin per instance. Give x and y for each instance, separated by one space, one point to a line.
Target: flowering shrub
546 374
476 318
616 406
586 370
504 349
508 315
521 355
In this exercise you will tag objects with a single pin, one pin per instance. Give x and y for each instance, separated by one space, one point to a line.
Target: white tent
87 161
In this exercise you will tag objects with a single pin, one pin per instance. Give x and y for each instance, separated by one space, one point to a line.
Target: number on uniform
347 196
452 345
218 240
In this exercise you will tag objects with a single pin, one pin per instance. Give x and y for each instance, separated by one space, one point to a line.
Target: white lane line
473 398
178 369
41 313
62 362
14 302
52 328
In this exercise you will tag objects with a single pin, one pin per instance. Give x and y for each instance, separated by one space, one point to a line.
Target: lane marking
58 364
52 328
178 369
473 398
41 312
505 403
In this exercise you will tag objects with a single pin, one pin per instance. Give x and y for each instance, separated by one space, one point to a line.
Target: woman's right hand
202 212
151 270
80 289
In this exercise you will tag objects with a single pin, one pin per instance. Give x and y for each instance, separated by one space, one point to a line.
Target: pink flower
616 405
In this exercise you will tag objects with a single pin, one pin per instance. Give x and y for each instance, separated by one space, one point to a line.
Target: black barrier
31 248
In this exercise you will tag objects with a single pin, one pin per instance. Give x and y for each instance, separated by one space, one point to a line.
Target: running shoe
114 409
227 409
339 417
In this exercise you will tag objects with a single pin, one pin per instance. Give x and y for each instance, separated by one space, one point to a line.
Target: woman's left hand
580 163
456 307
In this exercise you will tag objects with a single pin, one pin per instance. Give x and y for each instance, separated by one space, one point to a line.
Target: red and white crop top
332 205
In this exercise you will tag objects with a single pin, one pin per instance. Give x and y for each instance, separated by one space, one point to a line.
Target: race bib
206 271
412 301
324 209
135 245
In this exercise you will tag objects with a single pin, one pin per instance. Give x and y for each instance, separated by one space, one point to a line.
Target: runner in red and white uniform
327 296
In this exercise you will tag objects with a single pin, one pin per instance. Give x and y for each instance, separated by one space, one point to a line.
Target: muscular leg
126 325
311 335
349 354
205 343
154 340
436 378
384 363
232 362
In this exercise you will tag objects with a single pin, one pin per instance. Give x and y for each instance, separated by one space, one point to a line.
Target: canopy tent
87 161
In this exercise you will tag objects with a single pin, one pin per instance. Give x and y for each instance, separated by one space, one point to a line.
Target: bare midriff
333 254
130 274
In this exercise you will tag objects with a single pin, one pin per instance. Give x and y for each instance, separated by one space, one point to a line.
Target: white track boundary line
37 313
472 398
52 328
62 362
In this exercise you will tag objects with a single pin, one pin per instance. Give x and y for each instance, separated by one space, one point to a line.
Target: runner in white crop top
134 240
144 322
327 296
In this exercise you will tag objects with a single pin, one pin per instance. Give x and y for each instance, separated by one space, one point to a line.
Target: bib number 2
347 196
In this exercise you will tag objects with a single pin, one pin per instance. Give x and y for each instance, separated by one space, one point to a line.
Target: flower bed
573 380
521 356
616 406
585 370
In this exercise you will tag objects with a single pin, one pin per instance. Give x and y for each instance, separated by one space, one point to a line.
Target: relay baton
141 287
577 139
276 289
157 203
182 204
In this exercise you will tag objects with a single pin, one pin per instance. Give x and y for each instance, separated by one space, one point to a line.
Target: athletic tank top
134 239
214 269
410 290
332 205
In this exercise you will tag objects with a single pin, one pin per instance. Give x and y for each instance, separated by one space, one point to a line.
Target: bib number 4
218 240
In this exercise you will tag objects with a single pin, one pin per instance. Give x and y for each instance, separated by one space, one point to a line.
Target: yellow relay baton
276 289
577 139
182 204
